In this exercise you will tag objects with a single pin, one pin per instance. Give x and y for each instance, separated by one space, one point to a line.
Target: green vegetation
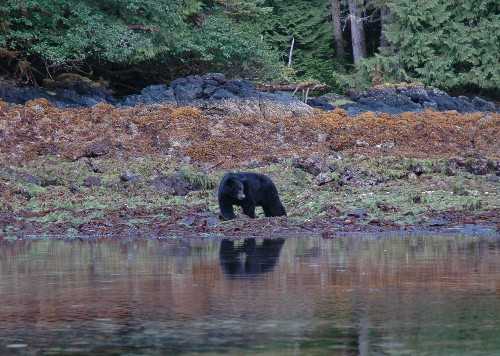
380 188
132 43
171 37
447 44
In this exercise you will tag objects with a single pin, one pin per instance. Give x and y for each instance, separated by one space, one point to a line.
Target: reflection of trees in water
12 249
354 295
249 258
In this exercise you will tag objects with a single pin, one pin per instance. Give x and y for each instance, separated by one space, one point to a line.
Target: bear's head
235 188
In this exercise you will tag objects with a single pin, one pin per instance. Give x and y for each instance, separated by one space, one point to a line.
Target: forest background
453 45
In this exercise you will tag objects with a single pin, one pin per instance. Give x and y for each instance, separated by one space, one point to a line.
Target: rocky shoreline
152 170
70 91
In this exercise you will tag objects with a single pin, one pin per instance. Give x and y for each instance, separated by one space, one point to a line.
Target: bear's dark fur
250 258
248 190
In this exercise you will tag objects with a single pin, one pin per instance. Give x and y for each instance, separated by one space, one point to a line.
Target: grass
380 186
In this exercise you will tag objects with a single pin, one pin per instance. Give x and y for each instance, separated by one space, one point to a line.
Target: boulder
62 93
483 105
75 91
396 100
92 181
173 184
152 94
222 94
187 89
129 177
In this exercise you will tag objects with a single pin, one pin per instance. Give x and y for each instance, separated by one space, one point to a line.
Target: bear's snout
241 196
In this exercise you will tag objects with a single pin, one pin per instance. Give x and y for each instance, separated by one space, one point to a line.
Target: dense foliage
308 24
447 44
177 35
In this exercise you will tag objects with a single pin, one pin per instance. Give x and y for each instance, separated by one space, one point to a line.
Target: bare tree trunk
290 54
337 28
384 19
357 31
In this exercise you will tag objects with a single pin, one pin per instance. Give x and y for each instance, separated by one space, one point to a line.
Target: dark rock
61 94
216 77
46 149
222 94
11 174
209 90
417 169
346 177
430 105
150 95
187 89
418 95
387 100
477 166
456 162
76 91
438 222
323 178
28 178
97 149
251 164
52 181
129 177
445 102
358 213
450 171
240 88
174 184
24 193
92 181
483 105
320 104
398 100
353 109
361 143
386 207
494 166
93 167
313 165
73 188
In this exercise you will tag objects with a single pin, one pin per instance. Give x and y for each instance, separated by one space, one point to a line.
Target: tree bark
357 31
384 19
337 28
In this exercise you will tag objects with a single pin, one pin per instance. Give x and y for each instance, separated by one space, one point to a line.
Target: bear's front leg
249 210
227 212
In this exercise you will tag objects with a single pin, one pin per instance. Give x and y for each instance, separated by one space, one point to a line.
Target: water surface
429 295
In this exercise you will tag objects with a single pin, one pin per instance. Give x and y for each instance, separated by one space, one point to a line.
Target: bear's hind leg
276 209
267 212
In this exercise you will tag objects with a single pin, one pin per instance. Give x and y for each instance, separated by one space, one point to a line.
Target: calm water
347 296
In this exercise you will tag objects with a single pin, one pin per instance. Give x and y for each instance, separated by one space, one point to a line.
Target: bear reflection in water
249 258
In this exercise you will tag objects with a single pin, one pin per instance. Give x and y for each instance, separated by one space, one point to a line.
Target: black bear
248 190
251 258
